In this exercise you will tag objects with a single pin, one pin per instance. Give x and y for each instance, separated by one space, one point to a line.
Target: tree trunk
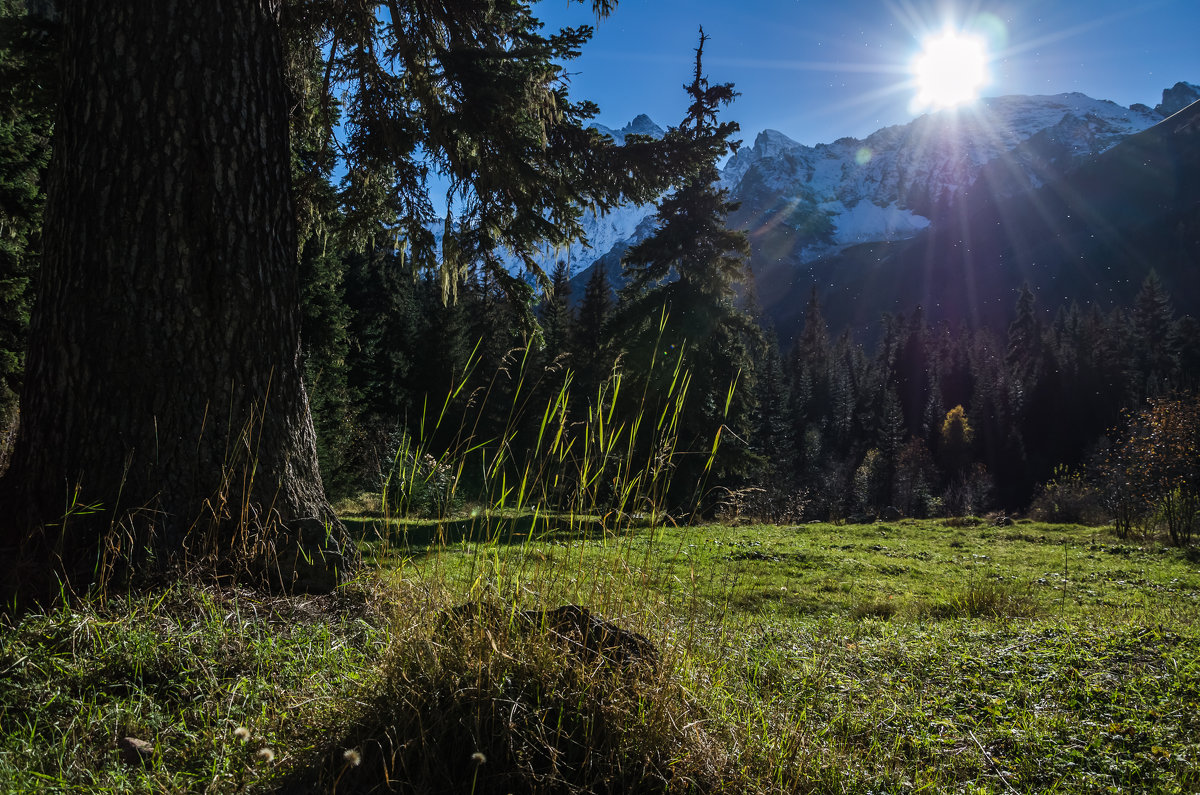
163 407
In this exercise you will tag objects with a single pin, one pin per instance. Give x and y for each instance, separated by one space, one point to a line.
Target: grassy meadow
911 656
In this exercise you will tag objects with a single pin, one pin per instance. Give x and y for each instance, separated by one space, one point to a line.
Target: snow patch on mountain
604 232
867 222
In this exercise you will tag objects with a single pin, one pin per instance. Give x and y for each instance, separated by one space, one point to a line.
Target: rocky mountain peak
641 125
768 144
1178 97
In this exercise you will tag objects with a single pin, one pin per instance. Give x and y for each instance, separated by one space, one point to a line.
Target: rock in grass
135 752
589 636
586 635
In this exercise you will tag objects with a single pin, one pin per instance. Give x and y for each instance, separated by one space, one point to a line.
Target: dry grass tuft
488 701
984 598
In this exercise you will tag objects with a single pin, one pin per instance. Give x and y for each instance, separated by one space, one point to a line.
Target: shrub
1068 498
773 504
417 483
1153 472
970 492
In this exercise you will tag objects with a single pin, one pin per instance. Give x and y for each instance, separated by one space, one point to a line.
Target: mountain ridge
803 206
1090 236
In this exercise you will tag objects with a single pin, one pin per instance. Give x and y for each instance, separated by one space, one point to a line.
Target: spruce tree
1000 445
386 339
553 363
774 436
1034 395
323 259
811 389
504 373
810 358
844 373
325 337
1187 333
913 376
1024 356
476 93
890 436
1154 340
591 353
557 317
686 273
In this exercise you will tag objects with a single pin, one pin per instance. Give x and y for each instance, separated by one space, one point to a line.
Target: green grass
183 669
904 657
922 568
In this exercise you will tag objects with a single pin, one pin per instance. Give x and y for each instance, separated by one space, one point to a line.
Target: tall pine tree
687 271
556 315
591 353
1154 340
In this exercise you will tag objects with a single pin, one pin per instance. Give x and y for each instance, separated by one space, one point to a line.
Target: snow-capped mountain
894 183
1089 237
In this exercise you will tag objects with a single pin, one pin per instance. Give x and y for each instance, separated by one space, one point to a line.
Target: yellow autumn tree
954 444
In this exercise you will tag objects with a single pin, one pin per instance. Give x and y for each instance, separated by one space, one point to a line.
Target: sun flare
951 70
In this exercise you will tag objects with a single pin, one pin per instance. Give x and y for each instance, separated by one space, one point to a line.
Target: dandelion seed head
352 757
266 754
478 758
242 733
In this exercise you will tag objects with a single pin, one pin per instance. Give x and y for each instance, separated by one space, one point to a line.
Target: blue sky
818 71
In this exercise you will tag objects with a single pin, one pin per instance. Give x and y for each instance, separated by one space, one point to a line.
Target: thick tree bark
163 399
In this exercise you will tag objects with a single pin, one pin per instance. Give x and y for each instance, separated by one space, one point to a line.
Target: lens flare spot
993 30
863 156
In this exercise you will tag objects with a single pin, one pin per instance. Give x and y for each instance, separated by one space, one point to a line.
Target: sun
950 70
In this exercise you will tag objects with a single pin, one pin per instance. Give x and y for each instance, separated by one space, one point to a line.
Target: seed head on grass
478 758
242 733
352 756
266 755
